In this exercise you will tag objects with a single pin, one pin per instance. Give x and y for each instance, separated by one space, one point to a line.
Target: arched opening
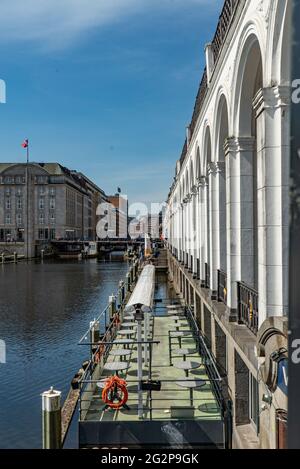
207 160
198 164
198 216
186 221
180 231
281 53
222 132
192 219
251 81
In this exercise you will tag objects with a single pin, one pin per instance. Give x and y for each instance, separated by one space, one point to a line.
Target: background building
148 224
119 226
57 203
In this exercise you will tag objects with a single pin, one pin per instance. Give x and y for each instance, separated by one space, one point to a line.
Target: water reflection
44 309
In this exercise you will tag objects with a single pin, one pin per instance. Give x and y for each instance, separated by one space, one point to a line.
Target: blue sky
103 86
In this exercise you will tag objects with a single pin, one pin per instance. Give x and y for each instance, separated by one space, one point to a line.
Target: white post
146 333
213 227
140 368
51 419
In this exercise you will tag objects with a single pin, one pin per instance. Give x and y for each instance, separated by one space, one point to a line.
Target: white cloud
57 23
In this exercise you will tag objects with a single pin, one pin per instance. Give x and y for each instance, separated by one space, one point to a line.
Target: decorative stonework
194 190
264 9
203 182
212 168
228 77
220 165
270 98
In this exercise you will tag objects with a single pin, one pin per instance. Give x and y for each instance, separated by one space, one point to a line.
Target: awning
142 295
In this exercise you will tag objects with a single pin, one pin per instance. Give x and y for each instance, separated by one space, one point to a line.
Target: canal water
44 310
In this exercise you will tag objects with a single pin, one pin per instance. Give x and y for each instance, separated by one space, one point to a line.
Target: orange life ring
115 389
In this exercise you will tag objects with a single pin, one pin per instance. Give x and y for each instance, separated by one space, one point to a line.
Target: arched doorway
222 134
207 207
251 81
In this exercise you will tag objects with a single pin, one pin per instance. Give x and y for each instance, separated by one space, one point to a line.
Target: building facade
43 202
118 226
150 225
227 220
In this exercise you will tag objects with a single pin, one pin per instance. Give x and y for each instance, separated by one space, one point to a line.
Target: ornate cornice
234 145
271 98
212 168
220 166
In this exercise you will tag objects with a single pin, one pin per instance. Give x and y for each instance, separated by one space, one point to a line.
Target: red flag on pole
25 144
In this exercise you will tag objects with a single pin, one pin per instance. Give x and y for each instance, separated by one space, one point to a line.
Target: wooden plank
67 412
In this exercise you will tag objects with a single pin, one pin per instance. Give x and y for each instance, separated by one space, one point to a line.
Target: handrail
222 286
210 364
248 306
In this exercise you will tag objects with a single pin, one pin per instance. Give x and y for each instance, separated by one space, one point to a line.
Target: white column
190 229
246 195
239 209
272 107
193 225
186 229
221 216
198 226
232 210
203 227
213 227
182 231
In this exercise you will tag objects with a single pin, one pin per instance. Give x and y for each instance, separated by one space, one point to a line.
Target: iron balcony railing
198 269
207 275
224 24
248 306
208 359
222 287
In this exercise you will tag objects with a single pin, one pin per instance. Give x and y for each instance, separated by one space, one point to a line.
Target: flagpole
27 201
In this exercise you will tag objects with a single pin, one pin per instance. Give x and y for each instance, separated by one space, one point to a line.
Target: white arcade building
227 218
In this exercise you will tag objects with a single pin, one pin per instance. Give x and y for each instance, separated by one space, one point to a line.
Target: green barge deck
172 416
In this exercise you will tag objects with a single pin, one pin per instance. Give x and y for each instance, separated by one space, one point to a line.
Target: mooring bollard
51 409
121 292
94 334
128 282
134 271
131 273
120 300
112 306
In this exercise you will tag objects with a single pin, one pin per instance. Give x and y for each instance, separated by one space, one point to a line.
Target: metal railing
152 406
224 24
208 359
248 306
223 27
104 318
198 269
207 275
222 287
